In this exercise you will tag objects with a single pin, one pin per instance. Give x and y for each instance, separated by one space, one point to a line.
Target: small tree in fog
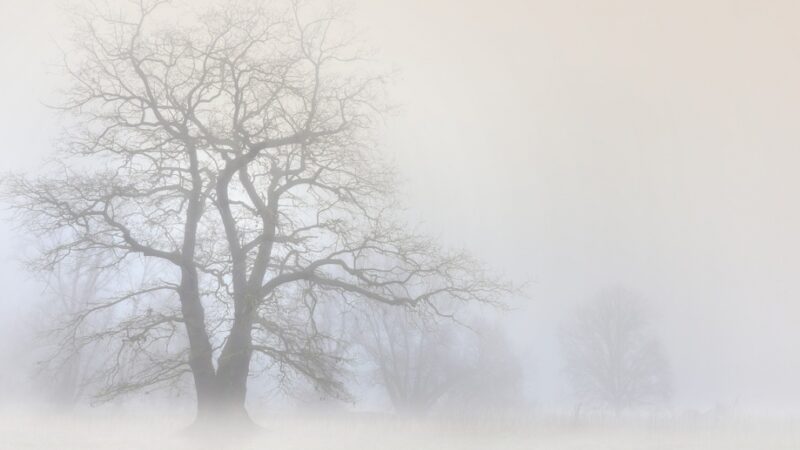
421 361
412 357
494 379
233 152
72 289
612 360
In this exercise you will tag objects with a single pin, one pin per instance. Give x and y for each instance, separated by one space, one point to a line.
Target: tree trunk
220 393
200 351
234 369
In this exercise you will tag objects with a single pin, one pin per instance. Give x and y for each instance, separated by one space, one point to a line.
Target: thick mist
624 172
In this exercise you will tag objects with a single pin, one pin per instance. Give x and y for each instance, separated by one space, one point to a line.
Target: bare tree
233 153
72 288
422 363
612 359
493 380
413 358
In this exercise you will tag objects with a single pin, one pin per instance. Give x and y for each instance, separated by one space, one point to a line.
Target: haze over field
644 153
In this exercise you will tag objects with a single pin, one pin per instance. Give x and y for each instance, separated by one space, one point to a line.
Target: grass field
350 431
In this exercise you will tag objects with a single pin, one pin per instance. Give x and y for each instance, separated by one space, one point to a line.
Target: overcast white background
572 144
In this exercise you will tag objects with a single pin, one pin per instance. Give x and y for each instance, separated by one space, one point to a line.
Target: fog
575 148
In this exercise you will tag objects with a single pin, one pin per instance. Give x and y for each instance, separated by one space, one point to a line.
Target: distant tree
613 361
70 369
422 362
411 356
493 380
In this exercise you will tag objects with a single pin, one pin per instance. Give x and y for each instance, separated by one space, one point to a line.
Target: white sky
575 144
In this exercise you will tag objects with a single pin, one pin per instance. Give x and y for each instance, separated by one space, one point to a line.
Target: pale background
572 144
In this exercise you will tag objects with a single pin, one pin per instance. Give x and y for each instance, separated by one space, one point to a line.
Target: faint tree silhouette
612 361
412 357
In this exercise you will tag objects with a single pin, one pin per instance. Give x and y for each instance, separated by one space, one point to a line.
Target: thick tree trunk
200 351
233 365
221 398
234 368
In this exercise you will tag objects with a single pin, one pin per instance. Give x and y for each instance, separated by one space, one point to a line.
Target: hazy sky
575 144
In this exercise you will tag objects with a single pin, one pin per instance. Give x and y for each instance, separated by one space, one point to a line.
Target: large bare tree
233 151
612 359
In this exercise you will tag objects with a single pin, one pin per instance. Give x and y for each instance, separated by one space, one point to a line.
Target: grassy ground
352 432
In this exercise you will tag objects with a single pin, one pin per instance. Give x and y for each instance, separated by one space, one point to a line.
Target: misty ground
364 431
